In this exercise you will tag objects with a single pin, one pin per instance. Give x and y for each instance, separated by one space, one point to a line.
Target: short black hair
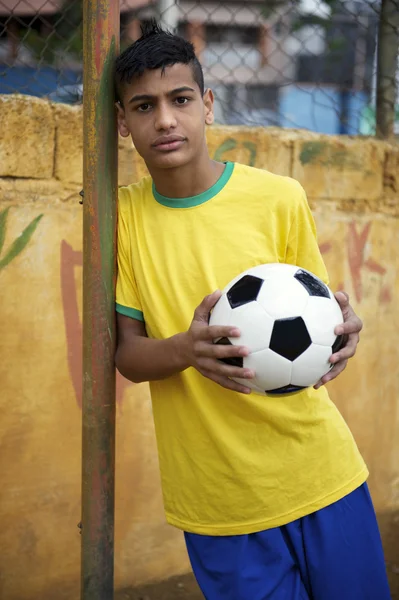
155 49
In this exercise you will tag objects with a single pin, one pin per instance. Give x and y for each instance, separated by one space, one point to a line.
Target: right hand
205 356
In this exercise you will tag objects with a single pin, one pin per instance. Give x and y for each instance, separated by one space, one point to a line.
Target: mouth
169 143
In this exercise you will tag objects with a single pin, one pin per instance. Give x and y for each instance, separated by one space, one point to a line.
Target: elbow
125 369
127 374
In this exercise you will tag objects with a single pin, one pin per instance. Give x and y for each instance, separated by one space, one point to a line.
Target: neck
188 180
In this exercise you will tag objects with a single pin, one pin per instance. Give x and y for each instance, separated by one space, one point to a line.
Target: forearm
149 360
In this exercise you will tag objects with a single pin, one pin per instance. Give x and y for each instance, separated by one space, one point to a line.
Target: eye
144 107
181 100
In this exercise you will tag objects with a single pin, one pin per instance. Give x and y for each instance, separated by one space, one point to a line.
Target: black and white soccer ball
287 318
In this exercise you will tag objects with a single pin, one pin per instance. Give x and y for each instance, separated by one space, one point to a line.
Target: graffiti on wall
231 144
20 242
71 260
360 260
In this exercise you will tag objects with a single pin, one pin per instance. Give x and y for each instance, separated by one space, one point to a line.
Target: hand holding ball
287 318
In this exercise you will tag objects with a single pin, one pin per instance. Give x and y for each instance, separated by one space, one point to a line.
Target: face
165 114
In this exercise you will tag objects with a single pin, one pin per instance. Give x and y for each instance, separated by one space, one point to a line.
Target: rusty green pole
387 64
101 44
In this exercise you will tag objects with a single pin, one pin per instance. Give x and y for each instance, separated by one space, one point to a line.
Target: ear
122 127
209 101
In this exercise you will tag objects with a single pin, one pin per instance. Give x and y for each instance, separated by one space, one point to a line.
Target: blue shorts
332 554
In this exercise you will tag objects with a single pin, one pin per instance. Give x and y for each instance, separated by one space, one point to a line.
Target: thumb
202 311
342 298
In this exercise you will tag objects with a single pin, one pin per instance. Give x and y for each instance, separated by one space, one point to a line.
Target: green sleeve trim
133 313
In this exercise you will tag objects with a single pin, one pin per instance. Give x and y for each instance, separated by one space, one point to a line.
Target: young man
270 491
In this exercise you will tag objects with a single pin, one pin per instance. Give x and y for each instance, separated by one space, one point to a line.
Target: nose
165 118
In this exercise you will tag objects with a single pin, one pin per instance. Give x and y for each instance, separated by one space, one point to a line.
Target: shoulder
262 182
130 196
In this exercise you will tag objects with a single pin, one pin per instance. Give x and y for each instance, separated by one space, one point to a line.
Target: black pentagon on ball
339 343
234 361
244 291
287 389
312 284
290 337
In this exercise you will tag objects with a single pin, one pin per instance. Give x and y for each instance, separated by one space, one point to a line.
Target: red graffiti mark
73 328
374 267
385 295
325 247
356 256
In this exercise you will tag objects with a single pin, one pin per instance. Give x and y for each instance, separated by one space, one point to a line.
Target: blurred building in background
290 63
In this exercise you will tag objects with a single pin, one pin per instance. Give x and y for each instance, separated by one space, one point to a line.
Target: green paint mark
231 144
3 223
20 242
252 152
226 146
310 151
327 155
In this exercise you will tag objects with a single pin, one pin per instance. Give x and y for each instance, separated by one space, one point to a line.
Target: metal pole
387 63
101 44
169 14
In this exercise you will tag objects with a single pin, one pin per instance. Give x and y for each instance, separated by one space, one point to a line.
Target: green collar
200 198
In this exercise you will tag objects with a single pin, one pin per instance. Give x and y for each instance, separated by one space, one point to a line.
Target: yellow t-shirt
230 463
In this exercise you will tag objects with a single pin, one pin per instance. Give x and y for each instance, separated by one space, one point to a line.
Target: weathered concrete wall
353 188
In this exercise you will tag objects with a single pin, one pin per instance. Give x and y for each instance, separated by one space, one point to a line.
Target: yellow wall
353 188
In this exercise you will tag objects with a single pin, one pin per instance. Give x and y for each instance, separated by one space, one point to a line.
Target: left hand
350 328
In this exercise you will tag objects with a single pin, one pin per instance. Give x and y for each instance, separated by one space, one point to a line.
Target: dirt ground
177 588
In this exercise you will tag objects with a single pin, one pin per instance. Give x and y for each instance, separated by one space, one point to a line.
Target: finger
214 332
352 325
206 349
226 370
335 371
227 383
202 311
342 298
347 351
318 384
220 351
231 371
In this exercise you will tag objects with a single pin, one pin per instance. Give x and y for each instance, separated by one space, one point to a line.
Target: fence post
168 12
101 44
387 64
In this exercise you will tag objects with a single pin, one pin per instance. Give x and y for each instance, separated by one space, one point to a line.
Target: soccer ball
287 318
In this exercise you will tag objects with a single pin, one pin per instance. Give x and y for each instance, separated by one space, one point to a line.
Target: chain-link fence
290 63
